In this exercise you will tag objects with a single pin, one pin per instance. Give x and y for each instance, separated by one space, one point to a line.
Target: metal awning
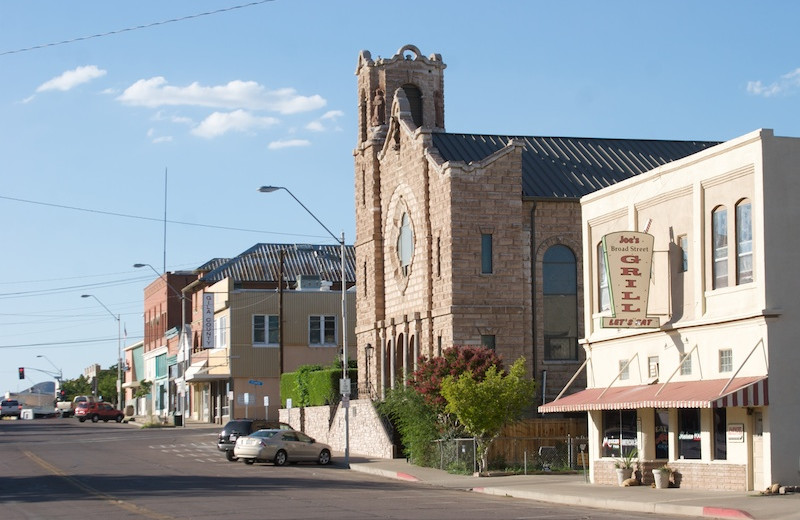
714 393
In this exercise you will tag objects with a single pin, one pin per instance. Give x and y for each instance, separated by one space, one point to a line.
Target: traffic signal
22 372
62 394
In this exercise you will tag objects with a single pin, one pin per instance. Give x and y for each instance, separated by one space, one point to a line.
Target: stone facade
327 424
440 296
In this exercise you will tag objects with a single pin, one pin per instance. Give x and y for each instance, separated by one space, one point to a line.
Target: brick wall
687 475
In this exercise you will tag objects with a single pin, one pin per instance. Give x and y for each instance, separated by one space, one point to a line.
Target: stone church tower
393 229
428 235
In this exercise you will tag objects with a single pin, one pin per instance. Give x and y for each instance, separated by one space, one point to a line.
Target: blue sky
104 138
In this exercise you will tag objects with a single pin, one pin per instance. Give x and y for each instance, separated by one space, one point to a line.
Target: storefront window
662 433
689 433
619 432
720 433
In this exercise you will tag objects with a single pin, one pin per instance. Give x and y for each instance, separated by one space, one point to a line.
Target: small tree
416 422
484 407
454 361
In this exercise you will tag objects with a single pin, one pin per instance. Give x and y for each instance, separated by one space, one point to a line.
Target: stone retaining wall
368 435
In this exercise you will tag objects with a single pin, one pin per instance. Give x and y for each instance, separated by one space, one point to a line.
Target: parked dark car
236 428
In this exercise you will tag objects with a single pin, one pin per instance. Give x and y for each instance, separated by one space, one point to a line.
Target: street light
59 375
119 343
344 387
182 339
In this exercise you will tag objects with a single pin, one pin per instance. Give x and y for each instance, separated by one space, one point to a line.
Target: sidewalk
574 490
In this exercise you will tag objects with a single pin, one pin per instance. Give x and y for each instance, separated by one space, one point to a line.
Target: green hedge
312 385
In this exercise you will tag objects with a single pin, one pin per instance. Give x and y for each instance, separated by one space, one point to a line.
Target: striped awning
714 393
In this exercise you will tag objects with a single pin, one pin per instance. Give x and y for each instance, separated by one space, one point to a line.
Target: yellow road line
122 504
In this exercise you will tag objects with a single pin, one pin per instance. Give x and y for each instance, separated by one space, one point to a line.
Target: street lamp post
119 344
182 339
58 375
345 386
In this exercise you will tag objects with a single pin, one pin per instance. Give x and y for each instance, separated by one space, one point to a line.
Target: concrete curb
584 501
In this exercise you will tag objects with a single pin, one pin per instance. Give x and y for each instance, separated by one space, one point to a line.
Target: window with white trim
624 369
221 332
744 243
725 360
322 330
719 238
265 329
686 366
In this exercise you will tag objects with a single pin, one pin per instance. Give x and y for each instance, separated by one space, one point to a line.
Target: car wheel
119 418
81 419
95 418
229 456
249 461
324 457
281 458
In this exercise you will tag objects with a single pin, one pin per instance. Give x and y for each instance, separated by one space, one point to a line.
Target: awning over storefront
715 393
198 373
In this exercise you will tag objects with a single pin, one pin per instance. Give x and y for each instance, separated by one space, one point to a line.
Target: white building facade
709 387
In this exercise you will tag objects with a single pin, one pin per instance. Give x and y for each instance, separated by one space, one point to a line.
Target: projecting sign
208 321
629 255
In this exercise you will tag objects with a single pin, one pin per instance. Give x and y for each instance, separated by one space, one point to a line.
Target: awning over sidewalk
714 393
198 373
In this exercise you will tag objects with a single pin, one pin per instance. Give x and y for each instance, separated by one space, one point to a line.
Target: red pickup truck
98 411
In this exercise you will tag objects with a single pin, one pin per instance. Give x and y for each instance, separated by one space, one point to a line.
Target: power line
64 343
135 28
152 219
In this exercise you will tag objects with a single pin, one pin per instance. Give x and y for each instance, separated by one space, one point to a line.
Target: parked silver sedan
281 447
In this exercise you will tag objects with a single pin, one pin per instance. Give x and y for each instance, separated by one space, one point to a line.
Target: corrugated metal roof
212 264
261 263
570 167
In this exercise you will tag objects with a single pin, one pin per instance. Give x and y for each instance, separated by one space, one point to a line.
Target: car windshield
265 434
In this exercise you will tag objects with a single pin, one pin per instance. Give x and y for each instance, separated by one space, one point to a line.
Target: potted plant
624 466
661 476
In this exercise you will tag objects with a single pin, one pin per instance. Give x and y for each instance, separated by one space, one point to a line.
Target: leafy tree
75 387
143 390
107 384
416 422
454 361
484 407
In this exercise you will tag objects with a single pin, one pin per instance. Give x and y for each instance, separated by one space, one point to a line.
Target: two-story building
691 315
264 312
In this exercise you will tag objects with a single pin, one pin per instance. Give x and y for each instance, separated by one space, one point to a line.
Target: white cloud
328 118
155 92
288 143
220 123
785 83
163 139
72 78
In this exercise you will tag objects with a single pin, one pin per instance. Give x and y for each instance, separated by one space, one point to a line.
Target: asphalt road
60 468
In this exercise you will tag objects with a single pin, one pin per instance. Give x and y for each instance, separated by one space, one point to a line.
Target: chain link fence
516 454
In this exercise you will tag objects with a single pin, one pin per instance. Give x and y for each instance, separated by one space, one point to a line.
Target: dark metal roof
212 264
261 263
570 167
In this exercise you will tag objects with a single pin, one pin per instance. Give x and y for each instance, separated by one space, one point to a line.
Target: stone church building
471 239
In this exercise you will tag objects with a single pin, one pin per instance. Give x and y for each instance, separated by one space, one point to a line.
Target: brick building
468 239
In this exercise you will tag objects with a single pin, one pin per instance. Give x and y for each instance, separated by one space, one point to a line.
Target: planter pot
661 478
623 474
